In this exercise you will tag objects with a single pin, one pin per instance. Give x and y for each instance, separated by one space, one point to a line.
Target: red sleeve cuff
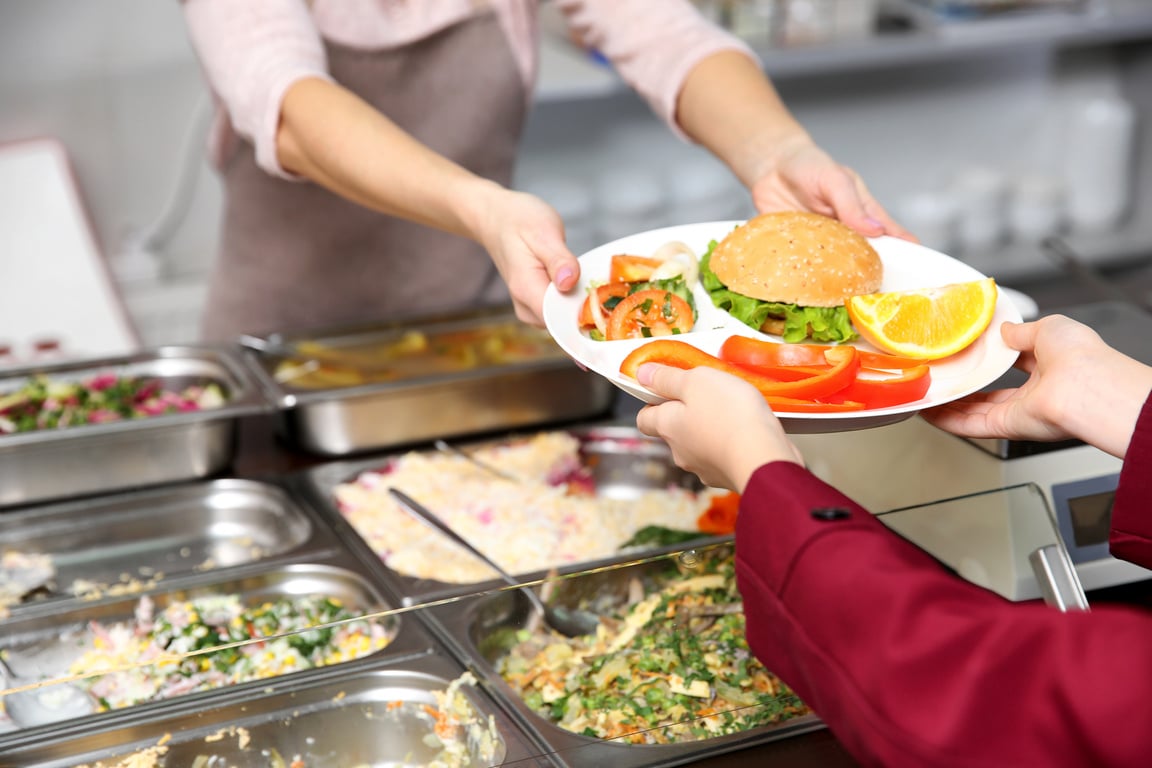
1131 535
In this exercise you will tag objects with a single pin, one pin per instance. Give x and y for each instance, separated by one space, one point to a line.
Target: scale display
1083 510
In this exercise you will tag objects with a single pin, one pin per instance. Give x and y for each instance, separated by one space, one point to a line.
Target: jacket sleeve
912 666
251 52
652 50
1131 535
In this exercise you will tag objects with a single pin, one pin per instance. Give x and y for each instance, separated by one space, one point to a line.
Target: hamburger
790 273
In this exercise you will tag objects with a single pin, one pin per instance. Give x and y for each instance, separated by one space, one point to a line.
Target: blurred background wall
965 128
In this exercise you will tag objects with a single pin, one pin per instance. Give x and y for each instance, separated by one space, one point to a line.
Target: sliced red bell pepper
787 372
720 517
824 405
886 391
771 354
890 362
680 354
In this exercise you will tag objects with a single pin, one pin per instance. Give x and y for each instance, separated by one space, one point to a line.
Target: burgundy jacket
911 666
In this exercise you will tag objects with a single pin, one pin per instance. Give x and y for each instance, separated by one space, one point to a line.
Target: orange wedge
927 323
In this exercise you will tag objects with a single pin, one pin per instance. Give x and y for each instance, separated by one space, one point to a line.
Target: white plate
906 266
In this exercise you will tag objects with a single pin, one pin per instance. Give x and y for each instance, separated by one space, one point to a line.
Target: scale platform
913 464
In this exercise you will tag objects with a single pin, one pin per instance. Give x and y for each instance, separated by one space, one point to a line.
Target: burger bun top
795 257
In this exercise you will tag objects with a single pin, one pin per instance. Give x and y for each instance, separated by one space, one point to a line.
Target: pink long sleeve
910 665
654 46
251 52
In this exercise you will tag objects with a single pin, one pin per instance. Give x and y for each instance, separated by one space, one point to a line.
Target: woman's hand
729 106
718 426
333 137
798 175
1078 387
525 238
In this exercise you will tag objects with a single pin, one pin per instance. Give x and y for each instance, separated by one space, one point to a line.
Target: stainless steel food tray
620 459
333 720
94 458
475 627
340 420
129 541
43 646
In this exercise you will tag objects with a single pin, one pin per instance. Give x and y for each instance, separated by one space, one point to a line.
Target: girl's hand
718 426
1078 386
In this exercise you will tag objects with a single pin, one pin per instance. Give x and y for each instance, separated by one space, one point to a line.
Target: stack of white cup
981 208
1098 162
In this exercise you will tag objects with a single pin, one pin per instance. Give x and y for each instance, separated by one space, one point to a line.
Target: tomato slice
682 355
607 294
648 313
626 268
886 391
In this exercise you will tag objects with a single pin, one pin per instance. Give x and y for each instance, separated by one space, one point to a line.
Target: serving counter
261 453
251 529
272 521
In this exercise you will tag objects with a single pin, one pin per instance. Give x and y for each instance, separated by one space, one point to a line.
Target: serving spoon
313 357
44 704
452 450
566 621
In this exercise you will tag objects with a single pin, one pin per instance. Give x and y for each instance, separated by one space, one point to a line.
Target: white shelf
1016 262
569 74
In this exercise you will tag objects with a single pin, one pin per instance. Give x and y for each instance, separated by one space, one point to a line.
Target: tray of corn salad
128 542
106 424
235 631
569 498
426 711
667 677
356 389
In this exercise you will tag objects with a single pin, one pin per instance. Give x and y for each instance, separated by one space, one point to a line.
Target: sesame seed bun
796 257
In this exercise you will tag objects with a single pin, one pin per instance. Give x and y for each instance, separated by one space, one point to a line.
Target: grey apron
295 257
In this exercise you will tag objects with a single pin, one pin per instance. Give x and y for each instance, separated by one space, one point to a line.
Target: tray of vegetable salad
118 655
105 424
666 678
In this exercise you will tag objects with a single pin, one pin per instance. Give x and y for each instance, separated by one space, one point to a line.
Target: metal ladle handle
445 447
429 517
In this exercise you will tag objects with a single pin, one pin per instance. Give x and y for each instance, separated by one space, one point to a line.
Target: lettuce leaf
822 324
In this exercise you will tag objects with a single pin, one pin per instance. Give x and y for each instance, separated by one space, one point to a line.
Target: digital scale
913 464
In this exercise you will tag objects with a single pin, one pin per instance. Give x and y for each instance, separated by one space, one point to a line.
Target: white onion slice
597 310
678 259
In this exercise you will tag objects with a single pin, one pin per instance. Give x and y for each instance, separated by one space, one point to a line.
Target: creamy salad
549 516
